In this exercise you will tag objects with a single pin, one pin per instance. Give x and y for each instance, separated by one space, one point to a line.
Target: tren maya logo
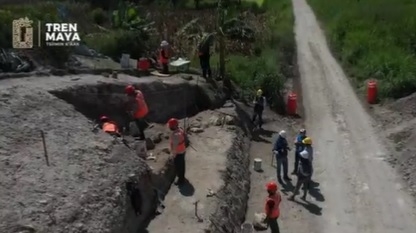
56 34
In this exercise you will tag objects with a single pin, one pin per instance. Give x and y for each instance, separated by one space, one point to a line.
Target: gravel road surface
363 193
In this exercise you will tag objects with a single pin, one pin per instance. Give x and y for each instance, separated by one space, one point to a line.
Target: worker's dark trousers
141 125
281 161
302 180
274 226
259 113
205 66
296 165
165 68
179 162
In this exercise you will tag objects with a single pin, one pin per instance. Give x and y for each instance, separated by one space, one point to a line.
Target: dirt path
362 192
203 171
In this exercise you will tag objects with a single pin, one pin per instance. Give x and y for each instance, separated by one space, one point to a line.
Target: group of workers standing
303 167
137 110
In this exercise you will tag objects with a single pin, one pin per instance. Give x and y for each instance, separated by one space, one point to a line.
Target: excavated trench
181 99
144 190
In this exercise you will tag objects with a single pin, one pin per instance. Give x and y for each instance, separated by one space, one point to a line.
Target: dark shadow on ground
315 192
266 133
287 187
311 207
187 189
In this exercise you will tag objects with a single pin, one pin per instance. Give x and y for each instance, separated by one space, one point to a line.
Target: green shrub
99 16
115 43
275 50
374 39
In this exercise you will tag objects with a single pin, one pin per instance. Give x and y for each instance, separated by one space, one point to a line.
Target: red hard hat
103 118
173 122
129 89
271 186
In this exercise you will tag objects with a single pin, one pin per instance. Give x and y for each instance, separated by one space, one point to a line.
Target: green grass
271 68
373 39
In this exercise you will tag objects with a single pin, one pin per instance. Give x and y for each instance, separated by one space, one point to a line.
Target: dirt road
363 193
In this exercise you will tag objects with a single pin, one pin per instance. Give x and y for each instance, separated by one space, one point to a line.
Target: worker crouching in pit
109 126
137 109
178 149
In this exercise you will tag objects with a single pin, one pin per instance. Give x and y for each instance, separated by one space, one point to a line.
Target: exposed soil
84 188
397 122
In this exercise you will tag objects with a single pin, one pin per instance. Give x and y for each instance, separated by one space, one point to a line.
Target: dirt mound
405 105
85 188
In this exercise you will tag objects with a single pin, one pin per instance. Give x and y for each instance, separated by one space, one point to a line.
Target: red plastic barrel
143 64
372 92
292 104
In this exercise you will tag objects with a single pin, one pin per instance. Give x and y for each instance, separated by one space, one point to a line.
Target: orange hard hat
271 186
103 118
129 89
173 122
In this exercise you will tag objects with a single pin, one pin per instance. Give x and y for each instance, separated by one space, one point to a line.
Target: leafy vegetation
270 65
374 39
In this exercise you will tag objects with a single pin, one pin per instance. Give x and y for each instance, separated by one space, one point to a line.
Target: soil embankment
84 188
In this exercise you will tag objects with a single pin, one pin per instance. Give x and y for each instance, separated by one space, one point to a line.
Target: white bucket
125 61
247 228
257 164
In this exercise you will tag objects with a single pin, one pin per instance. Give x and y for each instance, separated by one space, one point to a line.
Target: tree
221 40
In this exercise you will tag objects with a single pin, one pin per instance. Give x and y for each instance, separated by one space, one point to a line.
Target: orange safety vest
161 58
110 127
142 110
275 213
181 147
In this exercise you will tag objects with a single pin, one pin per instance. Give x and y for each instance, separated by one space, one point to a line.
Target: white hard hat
304 154
282 133
164 43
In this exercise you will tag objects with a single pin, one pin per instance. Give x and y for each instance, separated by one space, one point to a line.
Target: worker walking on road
272 207
164 56
259 104
137 109
280 150
298 148
304 174
178 149
110 126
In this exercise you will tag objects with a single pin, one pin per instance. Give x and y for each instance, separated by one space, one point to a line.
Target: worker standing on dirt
109 126
164 56
272 207
307 142
259 104
138 109
280 150
298 148
204 55
178 149
304 174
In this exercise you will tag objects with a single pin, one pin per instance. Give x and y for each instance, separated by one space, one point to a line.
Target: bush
99 16
275 50
115 43
374 39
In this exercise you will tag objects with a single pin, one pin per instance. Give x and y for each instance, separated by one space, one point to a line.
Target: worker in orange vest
109 126
164 57
178 149
272 207
138 109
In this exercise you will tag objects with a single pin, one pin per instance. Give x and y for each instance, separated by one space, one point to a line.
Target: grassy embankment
373 39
